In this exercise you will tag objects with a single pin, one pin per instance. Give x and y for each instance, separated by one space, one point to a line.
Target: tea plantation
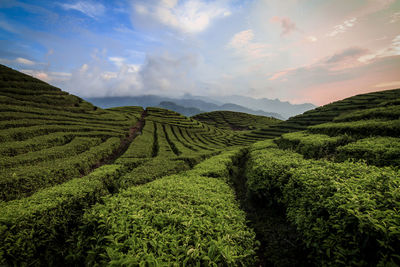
127 186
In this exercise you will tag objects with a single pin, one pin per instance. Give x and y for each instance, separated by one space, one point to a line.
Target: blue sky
297 50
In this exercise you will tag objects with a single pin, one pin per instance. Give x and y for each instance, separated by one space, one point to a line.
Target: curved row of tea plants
347 213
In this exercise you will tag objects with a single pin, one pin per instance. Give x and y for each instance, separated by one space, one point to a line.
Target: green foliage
379 151
346 212
34 144
25 180
311 145
363 128
76 146
142 145
150 170
34 230
183 219
235 120
263 145
218 166
267 172
388 113
15 134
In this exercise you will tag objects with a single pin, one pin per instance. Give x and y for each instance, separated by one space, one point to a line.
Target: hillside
328 112
235 120
60 155
337 183
180 109
81 185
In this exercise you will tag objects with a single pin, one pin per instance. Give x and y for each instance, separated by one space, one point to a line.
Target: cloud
118 61
288 26
392 84
392 50
312 38
46 76
242 42
279 74
335 64
90 9
19 61
161 74
167 73
322 83
25 61
343 27
192 16
349 53
395 17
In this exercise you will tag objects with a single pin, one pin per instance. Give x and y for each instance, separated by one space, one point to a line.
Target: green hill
328 112
337 182
81 185
236 121
60 155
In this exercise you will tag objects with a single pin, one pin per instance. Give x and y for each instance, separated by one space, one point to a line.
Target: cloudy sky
314 51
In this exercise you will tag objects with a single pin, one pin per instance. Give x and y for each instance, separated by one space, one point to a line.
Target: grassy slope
52 144
235 120
354 225
328 112
344 208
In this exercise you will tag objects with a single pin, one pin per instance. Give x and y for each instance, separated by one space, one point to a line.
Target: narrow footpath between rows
125 142
280 244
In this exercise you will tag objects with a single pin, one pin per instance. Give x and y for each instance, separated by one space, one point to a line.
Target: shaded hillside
328 112
186 111
235 120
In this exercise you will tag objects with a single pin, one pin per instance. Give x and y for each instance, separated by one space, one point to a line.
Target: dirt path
126 141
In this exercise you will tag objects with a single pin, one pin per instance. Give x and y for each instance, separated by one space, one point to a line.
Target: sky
315 51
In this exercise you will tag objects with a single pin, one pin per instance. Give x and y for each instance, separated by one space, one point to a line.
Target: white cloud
191 16
19 60
48 76
312 38
391 84
90 9
392 50
118 61
342 28
243 44
25 61
395 17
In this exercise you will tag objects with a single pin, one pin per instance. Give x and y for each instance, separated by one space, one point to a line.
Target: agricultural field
236 121
127 186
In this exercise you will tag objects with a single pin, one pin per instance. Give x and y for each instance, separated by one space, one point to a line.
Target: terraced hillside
235 120
61 155
338 183
83 186
328 112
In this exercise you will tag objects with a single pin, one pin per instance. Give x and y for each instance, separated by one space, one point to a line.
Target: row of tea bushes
347 213
190 219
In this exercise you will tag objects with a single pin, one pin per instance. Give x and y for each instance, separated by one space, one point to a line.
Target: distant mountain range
187 111
191 105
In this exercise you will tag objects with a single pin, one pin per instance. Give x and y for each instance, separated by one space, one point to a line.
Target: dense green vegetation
80 185
61 157
235 120
379 105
